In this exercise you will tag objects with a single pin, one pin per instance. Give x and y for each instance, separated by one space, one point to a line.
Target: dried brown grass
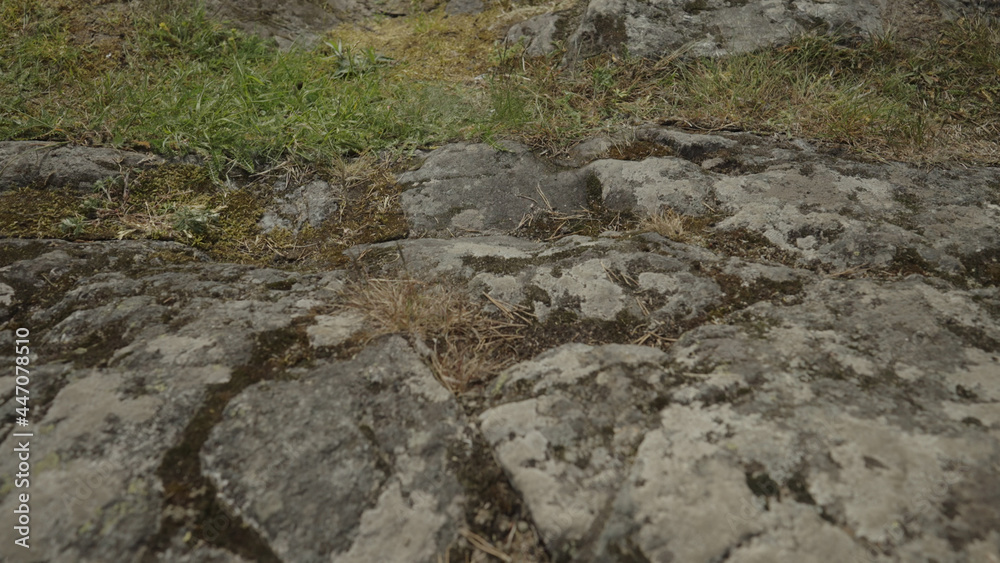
462 343
667 223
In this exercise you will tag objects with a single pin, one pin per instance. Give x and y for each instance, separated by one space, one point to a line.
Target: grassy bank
171 81
176 82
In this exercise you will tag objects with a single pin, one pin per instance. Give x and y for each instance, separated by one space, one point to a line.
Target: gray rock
364 446
868 215
537 35
334 330
310 204
804 433
645 278
721 27
464 188
590 149
186 410
652 185
568 449
688 145
302 22
122 359
455 7
33 163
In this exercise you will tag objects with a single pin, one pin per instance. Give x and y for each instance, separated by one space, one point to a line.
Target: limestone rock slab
591 278
474 188
364 446
718 27
652 185
126 345
848 215
842 427
32 163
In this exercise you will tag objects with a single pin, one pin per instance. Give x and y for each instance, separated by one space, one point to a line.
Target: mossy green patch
237 239
594 192
37 213
185 256
907 261
170 180
15 251
551 226
745 244
695 7
974 336
283 285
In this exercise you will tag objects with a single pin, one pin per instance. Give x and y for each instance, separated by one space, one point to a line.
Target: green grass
932 101
185 84
171 81
180 83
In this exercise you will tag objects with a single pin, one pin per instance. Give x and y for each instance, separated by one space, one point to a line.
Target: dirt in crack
190 502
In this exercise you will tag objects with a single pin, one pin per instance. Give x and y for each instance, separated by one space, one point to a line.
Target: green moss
170 181
974 336
534 294
100 345
237 236
498 265
184 483
907 261
15 251
594 192
983 266
563 325
695 7
37 213
740 294
910 201
800 489
762 485
173 256
283 285
748 245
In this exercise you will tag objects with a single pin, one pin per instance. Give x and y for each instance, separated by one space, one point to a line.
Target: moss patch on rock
187 488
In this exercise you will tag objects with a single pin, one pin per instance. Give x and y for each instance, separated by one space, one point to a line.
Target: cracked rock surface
810 372
395 497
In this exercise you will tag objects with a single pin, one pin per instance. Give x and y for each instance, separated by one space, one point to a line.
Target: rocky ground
805 367
662 347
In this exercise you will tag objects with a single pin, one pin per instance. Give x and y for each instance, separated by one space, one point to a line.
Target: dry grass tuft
462 343
667 223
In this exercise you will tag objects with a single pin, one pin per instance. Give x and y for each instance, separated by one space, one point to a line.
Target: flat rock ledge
823 384
33 163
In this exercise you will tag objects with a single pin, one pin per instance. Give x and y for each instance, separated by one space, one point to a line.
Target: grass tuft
667 223
462 343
